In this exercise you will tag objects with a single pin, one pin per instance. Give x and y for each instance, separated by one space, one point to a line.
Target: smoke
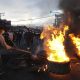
73 8
70 5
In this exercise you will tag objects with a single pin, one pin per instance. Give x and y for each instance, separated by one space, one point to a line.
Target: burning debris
76 42
59 68
54 44
58 61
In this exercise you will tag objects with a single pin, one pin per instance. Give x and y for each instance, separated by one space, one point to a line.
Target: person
28 36
8 38
3 47
3 43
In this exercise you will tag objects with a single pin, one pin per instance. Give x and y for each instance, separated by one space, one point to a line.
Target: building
58 19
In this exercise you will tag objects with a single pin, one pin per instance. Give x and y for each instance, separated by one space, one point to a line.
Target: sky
22 11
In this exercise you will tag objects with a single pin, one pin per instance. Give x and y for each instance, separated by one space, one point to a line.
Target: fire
76 42
53 43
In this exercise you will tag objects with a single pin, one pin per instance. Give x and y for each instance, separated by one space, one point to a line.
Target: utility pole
1 14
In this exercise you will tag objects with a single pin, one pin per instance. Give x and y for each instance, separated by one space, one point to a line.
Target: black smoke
73 8
70 5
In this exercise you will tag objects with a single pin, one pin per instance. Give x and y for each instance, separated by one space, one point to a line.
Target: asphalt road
25 74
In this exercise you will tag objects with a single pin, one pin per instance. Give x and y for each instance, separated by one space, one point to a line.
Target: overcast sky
27 9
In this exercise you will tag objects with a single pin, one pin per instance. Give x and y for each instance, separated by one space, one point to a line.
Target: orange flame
76 42
53 43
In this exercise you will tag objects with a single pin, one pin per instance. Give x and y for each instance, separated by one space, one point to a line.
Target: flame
76 42
53 43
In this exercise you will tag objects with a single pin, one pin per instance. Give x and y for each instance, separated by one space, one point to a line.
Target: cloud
25 9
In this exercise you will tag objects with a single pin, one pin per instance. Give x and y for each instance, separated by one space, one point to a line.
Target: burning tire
59 68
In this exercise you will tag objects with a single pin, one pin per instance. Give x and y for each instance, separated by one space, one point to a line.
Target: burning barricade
58 61
59 43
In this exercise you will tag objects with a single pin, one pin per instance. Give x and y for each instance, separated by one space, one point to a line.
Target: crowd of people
23 39
28 40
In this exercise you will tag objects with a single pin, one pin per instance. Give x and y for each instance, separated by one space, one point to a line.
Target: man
3 47
2 40
8 38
